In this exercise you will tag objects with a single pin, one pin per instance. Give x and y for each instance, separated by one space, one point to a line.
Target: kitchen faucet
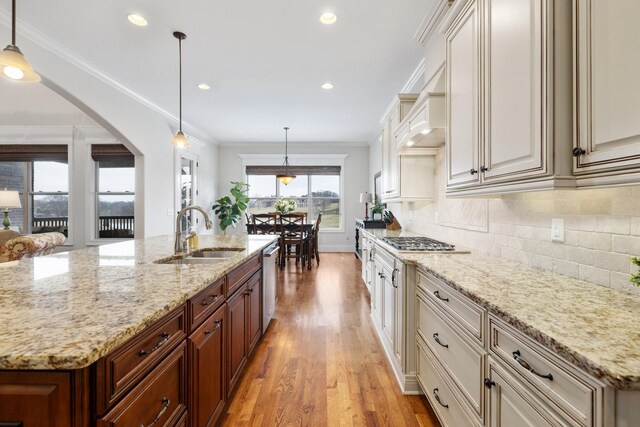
207 223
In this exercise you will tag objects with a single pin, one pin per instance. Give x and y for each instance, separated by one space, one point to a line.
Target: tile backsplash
602 228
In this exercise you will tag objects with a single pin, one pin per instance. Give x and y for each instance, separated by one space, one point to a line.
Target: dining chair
292 236
312 243
264 224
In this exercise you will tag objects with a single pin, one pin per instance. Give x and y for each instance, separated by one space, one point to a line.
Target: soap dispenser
193 239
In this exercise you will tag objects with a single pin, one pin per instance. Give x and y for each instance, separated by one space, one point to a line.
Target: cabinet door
463 100
510 404
376 293
397 278
237 352
388 306
391 160
607 84
515 101
207 357
254 311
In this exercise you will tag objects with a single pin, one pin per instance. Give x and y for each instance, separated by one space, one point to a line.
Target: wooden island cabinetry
178 371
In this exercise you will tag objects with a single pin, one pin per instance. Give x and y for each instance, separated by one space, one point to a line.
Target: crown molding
416 76
430 21
36 134
47 43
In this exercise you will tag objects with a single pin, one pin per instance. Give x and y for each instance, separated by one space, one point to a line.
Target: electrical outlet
557 230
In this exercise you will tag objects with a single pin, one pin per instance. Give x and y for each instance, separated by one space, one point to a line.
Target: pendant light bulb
13 64
180 140
285 177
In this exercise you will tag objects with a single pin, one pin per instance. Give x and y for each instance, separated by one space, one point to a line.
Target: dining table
253 228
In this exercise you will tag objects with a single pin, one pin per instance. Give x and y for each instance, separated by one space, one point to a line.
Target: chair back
292 225
316 226
264 224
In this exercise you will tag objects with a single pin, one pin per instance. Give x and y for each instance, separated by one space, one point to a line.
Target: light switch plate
557 230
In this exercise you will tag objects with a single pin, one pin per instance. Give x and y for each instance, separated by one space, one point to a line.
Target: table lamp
9 199
366 198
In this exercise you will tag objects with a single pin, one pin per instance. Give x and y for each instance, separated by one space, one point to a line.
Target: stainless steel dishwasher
269 280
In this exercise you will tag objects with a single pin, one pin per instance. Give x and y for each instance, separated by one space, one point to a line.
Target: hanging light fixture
285 177
180 140
13 64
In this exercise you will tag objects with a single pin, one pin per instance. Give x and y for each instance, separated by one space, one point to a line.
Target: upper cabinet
504 58
607 89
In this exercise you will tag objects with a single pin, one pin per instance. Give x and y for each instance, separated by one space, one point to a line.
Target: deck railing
108 226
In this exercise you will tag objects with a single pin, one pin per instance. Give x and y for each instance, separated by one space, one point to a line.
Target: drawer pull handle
488 383
437 397
218 326
527 366
436 338
393 278
214 299
165 406
163 341
437 294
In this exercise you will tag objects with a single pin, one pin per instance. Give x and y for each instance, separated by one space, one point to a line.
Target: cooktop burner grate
424 244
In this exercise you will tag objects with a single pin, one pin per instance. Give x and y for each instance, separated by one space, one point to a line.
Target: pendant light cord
286 148
13 23
180 55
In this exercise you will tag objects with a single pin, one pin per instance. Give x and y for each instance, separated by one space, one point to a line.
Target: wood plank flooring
320 362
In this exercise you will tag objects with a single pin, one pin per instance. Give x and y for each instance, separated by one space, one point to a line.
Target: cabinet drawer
469 315
241 274
553 379
160 399
443 400
121 369
463 361
206 302
384 258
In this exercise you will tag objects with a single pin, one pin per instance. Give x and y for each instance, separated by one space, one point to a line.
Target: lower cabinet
207 370
245 326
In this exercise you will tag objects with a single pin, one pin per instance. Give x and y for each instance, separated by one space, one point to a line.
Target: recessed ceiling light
204 86
137 20
328 18
410 143
327 86
426 131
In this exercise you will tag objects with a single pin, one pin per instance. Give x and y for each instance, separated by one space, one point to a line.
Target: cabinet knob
578 151
483 169
488 383
473 171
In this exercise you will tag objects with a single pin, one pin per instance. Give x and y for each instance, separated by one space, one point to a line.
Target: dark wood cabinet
254 311
237 342
207 395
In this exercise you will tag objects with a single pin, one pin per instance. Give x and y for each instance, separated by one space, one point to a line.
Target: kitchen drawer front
449 409
554 379
160 399
384 258
469 315
205 303
240 275
120 370
464 361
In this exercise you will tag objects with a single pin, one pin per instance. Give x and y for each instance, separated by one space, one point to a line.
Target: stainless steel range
419 244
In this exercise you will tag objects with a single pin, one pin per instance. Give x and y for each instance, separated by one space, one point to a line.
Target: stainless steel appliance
420 244
270 281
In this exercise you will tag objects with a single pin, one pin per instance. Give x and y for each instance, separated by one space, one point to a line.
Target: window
49 196
115 191
313 193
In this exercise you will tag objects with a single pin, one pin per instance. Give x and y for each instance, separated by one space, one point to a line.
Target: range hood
424 126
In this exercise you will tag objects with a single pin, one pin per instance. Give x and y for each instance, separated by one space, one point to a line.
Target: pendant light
180 140
285 177
13 64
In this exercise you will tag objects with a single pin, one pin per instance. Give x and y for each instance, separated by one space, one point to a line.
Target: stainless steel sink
226 253
204 256
191 260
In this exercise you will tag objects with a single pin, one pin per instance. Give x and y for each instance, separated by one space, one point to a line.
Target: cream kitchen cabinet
399 108
508 79
607 90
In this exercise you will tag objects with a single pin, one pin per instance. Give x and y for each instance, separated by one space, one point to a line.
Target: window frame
95 218
308 160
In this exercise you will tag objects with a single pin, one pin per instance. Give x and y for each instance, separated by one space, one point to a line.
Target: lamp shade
286 179
14 66
9 199
366 198
180 140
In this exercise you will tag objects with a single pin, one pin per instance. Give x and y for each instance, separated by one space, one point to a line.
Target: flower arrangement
285 206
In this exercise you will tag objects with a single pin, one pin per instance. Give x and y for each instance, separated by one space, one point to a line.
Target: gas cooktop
418 244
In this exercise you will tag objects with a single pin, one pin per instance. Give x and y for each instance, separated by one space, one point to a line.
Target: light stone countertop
65 311
593 327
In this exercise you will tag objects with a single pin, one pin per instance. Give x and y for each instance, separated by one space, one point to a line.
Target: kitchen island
91 335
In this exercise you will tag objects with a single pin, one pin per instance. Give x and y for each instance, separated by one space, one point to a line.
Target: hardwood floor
320 362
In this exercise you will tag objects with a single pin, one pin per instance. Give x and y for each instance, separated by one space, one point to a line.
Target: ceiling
265 60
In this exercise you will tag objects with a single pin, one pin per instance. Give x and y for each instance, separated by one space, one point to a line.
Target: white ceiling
265 60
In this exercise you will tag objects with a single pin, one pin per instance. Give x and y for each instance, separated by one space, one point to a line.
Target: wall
356 177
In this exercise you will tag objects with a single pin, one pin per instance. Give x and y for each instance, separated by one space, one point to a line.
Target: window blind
33 153
295 170
112 156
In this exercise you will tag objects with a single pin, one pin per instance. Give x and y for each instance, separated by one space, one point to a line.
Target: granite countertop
593 327
67 310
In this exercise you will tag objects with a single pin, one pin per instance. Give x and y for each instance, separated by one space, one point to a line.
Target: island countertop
65 311
593 327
